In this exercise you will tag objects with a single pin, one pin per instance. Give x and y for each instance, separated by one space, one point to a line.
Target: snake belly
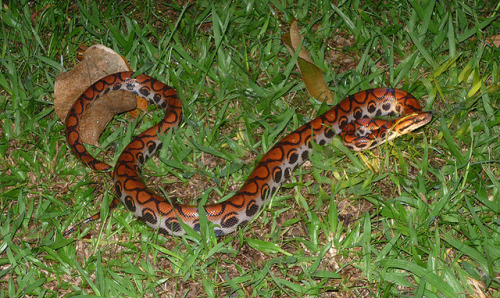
351 118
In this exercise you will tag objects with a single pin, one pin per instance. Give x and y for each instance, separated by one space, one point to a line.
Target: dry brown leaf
36 13
98 62
495 40
311 74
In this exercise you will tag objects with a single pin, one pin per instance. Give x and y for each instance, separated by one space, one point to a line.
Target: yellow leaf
311 74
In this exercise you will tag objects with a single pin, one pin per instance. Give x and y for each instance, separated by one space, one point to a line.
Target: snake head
411 122
366 133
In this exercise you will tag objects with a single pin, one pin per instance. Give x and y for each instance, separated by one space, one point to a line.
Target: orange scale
237 200
272 165
213 211
190 212
330 116
126 158
274 154
400 93
87 159
143 196
124 171
150 205
164 126
361 96
135 155
134 146
260 172
287 148
71 120
89 94
164 207
100 167
292 138
72 138
413 102
99 86
129 185
171 117
157 85
379 92
228 208
114 78
251 188
345 108
275 163
316 123
349 128
148 135
169 92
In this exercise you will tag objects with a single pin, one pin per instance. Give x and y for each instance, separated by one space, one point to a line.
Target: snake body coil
351 119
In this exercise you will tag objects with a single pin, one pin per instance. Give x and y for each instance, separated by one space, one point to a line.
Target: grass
418 216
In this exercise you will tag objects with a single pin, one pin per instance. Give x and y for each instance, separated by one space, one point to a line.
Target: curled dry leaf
98 62
311 74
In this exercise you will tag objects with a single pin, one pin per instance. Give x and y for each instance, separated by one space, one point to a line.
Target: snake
358 120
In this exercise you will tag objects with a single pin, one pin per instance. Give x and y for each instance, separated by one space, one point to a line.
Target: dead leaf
311 74
98 62
36 13
495 40
142 103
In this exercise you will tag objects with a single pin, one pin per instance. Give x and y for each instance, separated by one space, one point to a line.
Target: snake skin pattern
351 119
